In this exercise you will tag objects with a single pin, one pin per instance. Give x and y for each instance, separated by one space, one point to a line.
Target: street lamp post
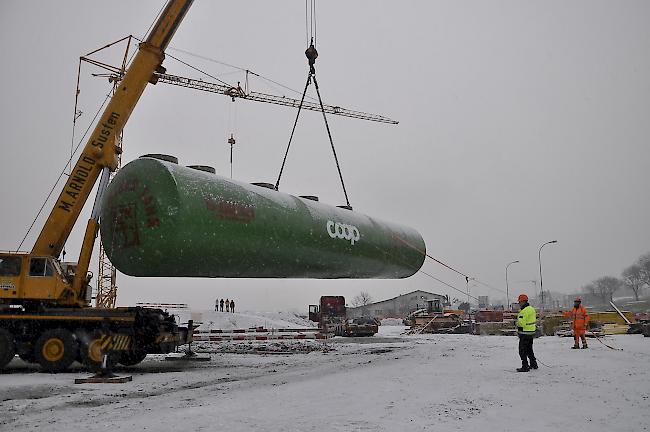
507 290
539 258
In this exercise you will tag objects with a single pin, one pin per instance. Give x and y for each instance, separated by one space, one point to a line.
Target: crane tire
91 354
7 348
55 350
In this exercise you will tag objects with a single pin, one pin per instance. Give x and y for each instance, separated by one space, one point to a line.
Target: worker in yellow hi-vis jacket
526 327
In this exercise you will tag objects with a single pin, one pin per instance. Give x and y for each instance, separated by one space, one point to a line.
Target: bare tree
604 287
644 264
590 289
633 279
362 299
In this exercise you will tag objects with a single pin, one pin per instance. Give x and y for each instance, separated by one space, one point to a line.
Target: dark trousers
526 350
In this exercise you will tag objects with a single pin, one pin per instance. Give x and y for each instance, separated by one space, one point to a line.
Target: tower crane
239 92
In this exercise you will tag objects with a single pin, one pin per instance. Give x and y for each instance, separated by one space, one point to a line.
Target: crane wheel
55 350
7 348
91 352
132 357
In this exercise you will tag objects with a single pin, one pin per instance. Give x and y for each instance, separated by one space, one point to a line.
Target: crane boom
238 92
101 149
45 313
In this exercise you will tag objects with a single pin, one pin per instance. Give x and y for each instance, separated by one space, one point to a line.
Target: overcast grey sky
520 122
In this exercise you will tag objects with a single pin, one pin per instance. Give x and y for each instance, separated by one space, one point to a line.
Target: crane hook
311 54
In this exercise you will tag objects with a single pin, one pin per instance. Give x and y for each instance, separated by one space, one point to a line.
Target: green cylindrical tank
163 219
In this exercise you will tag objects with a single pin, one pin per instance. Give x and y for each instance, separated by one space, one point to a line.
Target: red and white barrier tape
241 337
258 330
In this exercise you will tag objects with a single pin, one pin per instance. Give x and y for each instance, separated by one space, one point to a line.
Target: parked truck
331 314
45 304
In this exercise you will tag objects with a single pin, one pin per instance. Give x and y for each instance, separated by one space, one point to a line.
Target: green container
163 219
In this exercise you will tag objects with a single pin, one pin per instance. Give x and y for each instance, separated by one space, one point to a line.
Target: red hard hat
578 299
522 297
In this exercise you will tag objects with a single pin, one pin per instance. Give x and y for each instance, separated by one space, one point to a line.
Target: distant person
216 305
227 305
579 323
526 327
232 306
221 304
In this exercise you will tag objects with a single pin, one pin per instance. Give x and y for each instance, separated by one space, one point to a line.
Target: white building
397 307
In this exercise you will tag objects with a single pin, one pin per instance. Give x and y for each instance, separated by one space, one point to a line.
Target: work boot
584 346
576 346
533 364
523 368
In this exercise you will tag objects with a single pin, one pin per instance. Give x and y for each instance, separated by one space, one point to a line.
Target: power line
448 285
467 278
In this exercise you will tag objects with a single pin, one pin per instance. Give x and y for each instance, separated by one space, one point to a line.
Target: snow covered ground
388 382
211 320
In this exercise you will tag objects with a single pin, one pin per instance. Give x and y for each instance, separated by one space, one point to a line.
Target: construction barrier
258 330
257 337
163 305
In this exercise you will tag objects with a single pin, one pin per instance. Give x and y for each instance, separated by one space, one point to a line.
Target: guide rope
419 270
608 346
467 277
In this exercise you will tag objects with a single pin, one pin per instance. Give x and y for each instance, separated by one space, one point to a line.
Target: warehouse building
397 307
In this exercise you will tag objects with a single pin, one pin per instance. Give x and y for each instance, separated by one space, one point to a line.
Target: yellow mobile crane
45 311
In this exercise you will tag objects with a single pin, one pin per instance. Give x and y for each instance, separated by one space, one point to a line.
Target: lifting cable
312 54
232 126
329 134
75 116
295 123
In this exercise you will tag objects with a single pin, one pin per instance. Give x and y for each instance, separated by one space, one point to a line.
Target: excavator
46 315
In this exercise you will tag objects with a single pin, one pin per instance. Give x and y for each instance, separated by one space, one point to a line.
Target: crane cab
434 306
28 279
314 313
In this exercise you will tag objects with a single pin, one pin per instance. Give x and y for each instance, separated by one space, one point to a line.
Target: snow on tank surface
249 218
194 186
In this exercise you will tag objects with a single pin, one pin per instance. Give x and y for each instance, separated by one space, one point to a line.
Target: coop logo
343 231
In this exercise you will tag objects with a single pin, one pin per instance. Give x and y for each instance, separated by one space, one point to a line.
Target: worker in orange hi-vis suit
579 322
